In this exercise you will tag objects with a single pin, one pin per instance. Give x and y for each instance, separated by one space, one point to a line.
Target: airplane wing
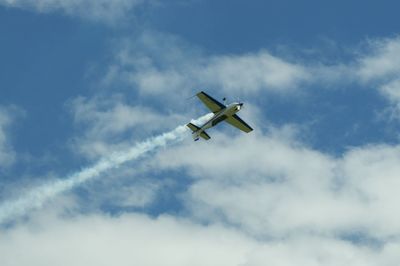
237 122
210 102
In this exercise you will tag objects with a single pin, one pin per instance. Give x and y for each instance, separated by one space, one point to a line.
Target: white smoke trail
39 195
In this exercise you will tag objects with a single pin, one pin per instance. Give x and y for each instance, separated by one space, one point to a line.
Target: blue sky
315 183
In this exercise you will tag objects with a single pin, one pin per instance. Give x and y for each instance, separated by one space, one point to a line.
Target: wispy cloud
98 10
160 64
163 64
380 68
380 61
7 117
103 122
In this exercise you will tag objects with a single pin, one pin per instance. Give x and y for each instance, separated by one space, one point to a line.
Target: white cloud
127 240
98 10
253 72
262 198
112 116
136 196
381 61
270 186
121 188
139 240
379 68
160 64
392 90
105 123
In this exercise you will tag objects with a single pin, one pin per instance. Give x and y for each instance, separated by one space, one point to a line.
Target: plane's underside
221 112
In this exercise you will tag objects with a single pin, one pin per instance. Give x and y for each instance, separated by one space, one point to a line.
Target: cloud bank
277 188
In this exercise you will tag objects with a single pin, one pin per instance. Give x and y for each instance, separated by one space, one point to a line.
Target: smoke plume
38 196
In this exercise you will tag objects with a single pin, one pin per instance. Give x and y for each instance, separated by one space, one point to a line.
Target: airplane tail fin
197 133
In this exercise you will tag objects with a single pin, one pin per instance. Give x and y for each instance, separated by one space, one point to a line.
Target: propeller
237 101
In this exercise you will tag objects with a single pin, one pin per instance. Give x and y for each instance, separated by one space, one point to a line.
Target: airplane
221 112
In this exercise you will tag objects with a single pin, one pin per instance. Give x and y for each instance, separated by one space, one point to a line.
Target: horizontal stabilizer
193 127
204 135
197 133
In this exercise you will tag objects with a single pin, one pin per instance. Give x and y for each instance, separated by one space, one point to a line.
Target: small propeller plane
221 112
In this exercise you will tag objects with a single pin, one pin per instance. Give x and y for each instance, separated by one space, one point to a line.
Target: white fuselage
220 116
